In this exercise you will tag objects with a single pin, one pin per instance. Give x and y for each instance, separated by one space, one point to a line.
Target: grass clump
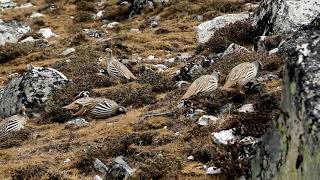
83 16
159 82
12 51
29 172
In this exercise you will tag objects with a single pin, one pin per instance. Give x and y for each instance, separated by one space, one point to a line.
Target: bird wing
235 74
197 86
104 109
123 70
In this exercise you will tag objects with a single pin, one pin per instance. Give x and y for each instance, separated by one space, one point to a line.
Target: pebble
113 25
224 137
205 120
36 15
67 160
191 158
213 170
68 51
46 33
247 108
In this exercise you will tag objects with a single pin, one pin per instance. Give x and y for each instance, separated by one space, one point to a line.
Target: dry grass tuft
12 51
159 82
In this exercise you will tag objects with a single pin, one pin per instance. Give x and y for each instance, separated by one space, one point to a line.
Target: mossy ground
155 151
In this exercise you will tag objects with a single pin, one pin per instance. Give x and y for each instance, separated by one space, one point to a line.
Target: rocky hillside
167 45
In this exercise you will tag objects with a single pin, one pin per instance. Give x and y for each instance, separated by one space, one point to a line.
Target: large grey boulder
205 30
284 16
31 89
12 31
290 149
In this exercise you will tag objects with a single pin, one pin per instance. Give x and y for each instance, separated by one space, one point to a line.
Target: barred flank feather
242 74
206 83
95 107
12 124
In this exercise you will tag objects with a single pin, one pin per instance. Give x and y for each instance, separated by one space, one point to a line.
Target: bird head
109 51
216 73
122 110
75 108
258 64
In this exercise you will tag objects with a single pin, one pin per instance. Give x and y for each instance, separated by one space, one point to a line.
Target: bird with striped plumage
242 74
13 123
97 108
204 84
116 69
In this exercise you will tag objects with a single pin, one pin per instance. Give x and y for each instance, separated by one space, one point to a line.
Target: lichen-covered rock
234 48
205 30
11 32
32 89
284 16
290 150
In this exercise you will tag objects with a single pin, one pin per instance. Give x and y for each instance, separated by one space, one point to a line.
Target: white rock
124 164
151 58
285 16
36 14
134 30
113 25
10 32
100 14
206 120
97 178
191 158
247 108
234 48
180 84
78 122
267 77
26 5
68 51
205 30
224 137
100 166
154 24
160 67
183 56
249 140
169 61
67 160
213 170
273 51
28 39
46 33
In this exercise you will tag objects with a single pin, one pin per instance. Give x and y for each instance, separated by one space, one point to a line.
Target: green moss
293 88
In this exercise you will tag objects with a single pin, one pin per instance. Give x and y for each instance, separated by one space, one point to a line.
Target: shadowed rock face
31 89
284 16
291 147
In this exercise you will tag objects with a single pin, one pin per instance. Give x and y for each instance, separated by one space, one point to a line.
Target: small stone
249 140
169 61
113 25
122 163
224 137
28 39
67 160
36 15
100 166
68 51
165 127
160 67
78 122
205 120
47 33
97 178
154 24
267 77
213 170
247 108
183 56
100 14
151 58
134 30
191 158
